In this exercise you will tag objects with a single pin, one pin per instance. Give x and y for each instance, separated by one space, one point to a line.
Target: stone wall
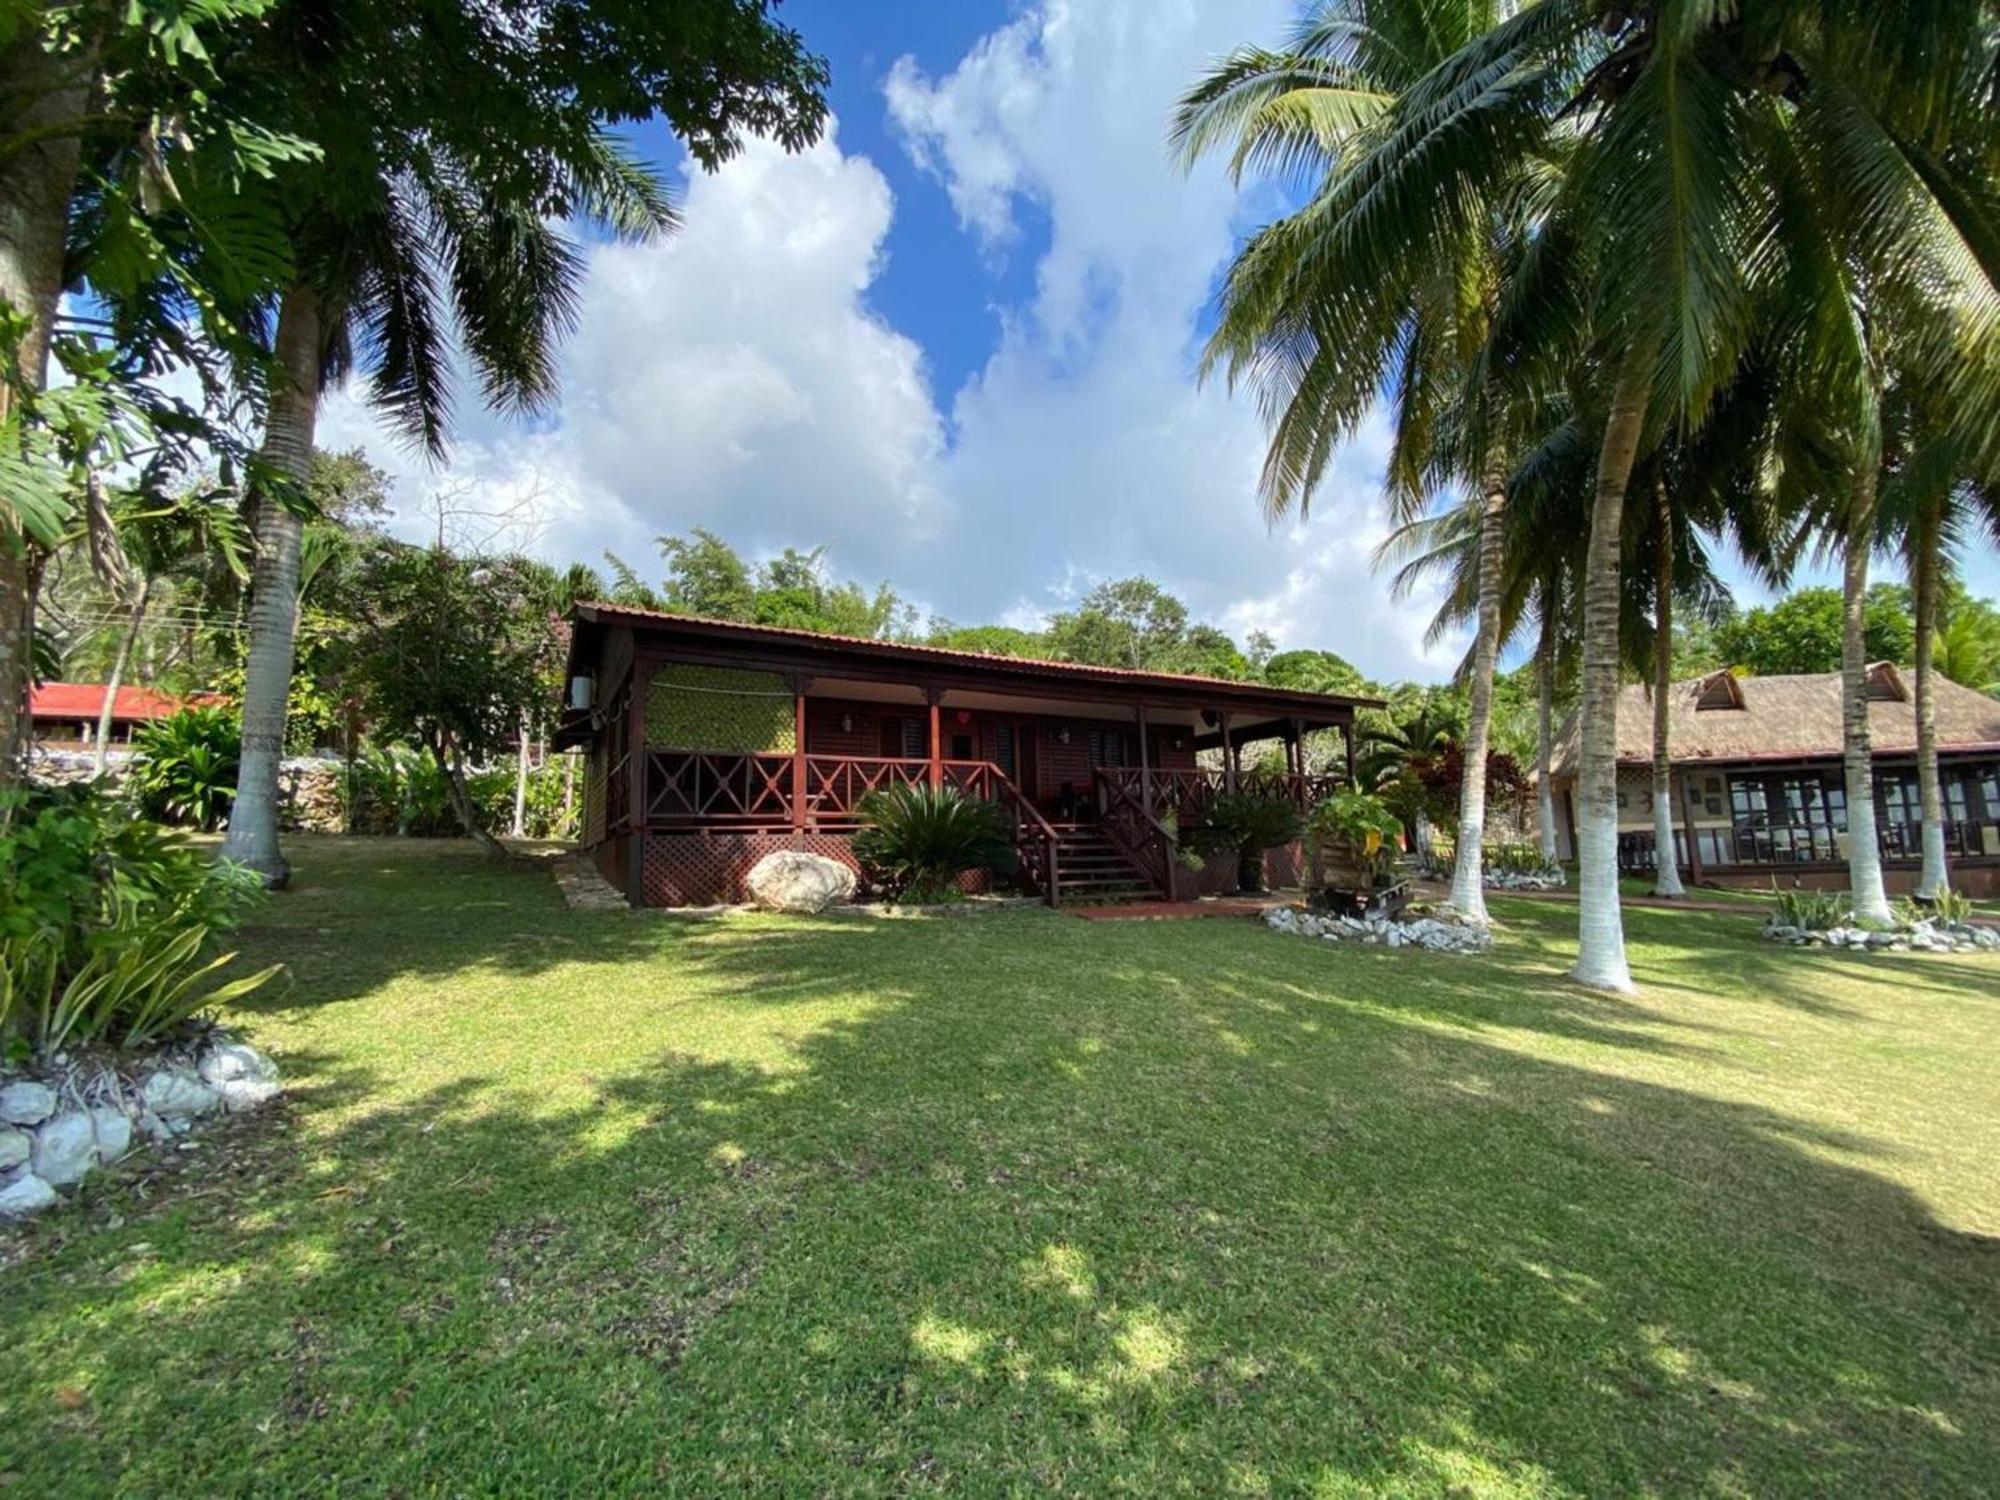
309 786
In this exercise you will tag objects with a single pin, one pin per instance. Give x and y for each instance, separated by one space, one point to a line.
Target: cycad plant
915 840
1249 824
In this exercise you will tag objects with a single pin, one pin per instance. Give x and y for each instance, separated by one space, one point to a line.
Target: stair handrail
1041 833
1119 798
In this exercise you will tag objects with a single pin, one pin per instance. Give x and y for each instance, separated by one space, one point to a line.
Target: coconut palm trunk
1864 850
1936 877
1468 894
126 639
42 89
274 592
1600 947
1666 859
1545 713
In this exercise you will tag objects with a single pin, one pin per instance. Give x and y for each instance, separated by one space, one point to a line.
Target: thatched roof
1724 717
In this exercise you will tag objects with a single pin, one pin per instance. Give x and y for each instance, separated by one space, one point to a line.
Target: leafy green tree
452 655
435 205
994 640
706 576
1801 633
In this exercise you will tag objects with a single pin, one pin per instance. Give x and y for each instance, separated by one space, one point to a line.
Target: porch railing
1189 794
1137 834
1780 845
691 790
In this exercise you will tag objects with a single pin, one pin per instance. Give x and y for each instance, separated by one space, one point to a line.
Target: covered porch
712 733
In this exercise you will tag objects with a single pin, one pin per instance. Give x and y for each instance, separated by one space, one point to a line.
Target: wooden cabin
711 743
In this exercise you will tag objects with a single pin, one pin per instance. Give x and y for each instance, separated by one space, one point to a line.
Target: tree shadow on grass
1162 1222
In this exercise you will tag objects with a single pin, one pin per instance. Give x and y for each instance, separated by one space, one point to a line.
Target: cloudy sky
955 343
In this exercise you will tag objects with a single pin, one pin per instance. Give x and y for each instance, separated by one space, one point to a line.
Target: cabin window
908 738
961 747
1107 747
1003 749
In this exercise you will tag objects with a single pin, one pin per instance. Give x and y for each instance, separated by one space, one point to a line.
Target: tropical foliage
110 928
1248 823
916 840
184 766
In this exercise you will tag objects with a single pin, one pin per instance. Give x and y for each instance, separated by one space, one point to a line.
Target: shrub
916 840
401 790
109 924
1249 824
1517 859
1365 824
185 770
1810 911
1946 909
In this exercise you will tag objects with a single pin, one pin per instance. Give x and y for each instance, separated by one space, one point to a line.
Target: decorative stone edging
1919 937
584 887
1433 932
1524 880
60 1122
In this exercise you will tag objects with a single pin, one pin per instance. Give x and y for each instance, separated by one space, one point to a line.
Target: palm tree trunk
117 678
1468 895
36 183
1545 713
1936 877
1864 850
1600 946
274 593
1666 861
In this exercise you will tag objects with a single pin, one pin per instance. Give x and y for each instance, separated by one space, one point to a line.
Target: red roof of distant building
83 700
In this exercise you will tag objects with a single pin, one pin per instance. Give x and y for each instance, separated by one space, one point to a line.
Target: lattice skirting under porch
708 869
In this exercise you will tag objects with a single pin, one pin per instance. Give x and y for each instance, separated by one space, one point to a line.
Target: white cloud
737 378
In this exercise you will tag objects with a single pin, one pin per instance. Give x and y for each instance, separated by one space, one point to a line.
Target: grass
611 1203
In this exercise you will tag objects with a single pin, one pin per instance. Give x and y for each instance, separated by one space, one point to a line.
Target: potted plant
1249 824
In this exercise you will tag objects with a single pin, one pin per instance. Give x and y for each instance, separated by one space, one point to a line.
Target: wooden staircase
1094 871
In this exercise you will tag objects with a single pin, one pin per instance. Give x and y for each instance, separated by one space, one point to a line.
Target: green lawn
588 1204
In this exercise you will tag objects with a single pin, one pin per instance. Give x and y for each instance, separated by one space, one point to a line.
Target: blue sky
954 343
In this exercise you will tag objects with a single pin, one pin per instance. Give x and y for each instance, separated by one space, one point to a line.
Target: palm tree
1321 331
1710 193
407 195
1930 506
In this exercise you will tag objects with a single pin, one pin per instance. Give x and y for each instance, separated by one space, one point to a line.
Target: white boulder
113 1129
26 1195
175 1094
13 1148
795 881
27 1102
65 1148
241 1076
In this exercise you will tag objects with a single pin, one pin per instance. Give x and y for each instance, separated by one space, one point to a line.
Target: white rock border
1431 932
60 1122
1926 936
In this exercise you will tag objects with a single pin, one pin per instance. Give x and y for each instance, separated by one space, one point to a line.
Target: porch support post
635 793
933 696
1687 822
1299 753
1228 757
799 685
1347 742
1145 765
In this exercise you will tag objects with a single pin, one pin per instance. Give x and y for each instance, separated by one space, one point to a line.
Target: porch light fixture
1062 735
847 723
580 687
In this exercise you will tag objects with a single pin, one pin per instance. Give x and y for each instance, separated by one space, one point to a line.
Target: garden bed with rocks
1919 937
1437 931
62 1119
1524 880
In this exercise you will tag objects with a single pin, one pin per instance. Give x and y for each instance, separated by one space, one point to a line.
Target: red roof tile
83 700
